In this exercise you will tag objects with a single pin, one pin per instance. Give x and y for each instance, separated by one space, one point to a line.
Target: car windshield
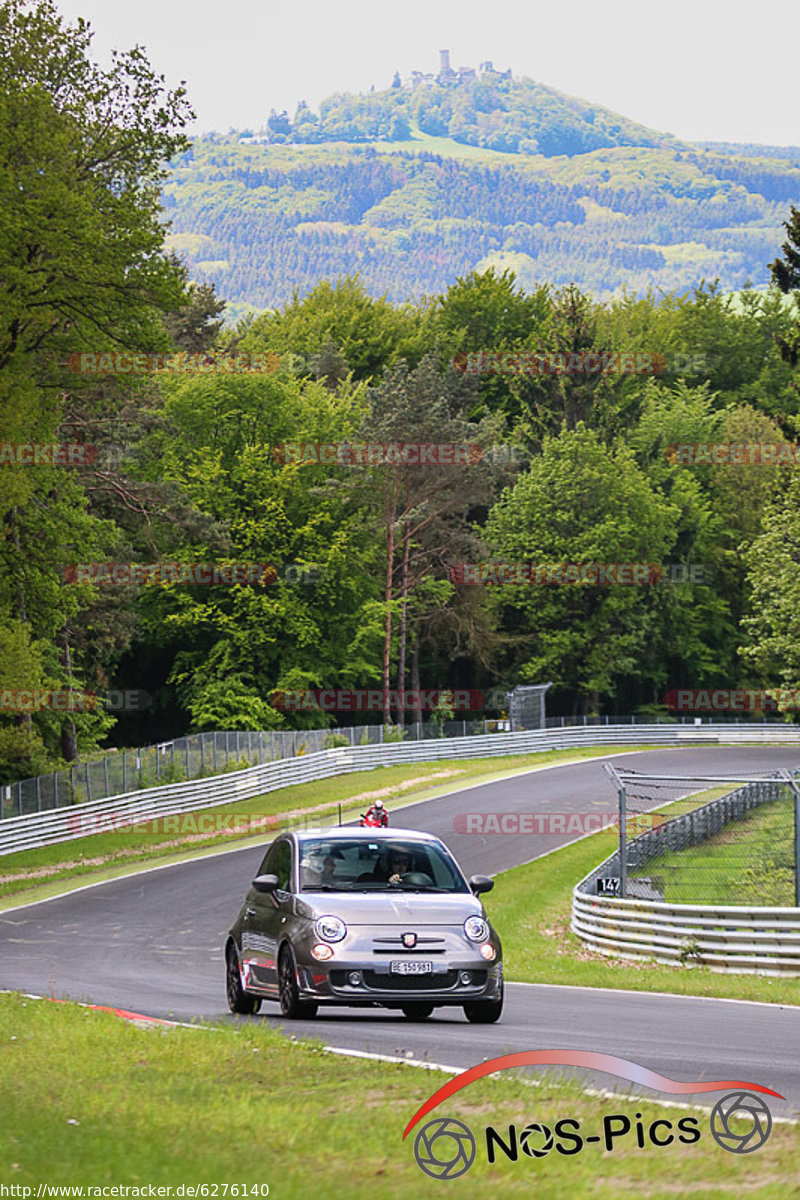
381 866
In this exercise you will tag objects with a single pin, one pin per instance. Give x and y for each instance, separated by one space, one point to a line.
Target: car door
266 914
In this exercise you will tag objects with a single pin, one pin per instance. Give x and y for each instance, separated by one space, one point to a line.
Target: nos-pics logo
446 1148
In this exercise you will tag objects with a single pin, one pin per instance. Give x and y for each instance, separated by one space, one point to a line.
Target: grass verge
531 907
36 874
751 861
88 1099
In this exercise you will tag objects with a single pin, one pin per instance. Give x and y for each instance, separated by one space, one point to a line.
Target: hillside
413 187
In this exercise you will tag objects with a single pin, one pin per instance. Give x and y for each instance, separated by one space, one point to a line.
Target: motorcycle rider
377 813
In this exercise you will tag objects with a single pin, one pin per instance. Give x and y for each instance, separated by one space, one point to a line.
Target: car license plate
412 966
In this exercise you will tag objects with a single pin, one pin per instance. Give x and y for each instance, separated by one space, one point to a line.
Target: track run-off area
152 943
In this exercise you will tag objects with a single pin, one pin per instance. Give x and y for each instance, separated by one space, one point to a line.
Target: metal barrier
79 820
744 938
201 755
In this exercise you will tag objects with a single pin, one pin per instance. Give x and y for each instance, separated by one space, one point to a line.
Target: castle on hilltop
448 75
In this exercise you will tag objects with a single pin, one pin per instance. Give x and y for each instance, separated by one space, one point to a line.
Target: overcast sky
722 70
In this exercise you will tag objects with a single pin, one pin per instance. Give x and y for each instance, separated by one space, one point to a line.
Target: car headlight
330 929
476 929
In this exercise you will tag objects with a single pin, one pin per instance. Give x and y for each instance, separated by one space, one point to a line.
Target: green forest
413 187
366 343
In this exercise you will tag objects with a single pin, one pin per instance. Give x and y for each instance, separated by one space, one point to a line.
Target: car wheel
484 1012
238 1000
291 1005
417 1012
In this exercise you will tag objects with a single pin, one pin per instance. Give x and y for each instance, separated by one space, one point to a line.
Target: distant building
447 75
446 72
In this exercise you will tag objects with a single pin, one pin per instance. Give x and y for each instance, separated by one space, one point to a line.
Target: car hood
392 908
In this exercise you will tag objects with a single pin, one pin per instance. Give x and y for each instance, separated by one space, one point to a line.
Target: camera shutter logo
444 1148
740 1106
528 1138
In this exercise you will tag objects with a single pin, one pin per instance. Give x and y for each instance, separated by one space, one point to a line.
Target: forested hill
416 187
491 111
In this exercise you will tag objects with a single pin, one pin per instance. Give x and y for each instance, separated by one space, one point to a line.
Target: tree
194 326
580 503
423 506
83 154
785 273
369 334
773 620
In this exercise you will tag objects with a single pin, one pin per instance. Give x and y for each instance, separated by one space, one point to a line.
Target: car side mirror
481 884
265 883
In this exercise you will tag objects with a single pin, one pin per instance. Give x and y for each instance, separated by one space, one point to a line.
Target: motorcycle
370 821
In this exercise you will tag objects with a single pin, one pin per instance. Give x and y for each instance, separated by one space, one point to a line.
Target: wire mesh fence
706 841
205 754
202 755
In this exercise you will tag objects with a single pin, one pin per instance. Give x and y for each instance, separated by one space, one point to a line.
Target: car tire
238 1000
417 1012
292 1006
484 1012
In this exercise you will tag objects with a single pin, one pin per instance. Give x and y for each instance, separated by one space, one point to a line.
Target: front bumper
453 982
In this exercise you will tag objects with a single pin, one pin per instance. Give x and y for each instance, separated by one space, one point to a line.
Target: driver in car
399 865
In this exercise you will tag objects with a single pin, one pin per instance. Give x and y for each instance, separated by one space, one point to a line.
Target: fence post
202 753
105 775
88 783
38 793
55 789
623 865
188 761
124 772
796 790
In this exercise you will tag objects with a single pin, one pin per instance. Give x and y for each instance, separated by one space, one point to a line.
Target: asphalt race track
152 943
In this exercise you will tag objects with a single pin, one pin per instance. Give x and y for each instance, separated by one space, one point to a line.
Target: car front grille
380 981
410 983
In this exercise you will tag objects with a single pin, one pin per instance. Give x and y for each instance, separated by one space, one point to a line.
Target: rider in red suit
377 812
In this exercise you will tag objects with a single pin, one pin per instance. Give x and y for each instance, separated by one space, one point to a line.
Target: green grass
531 908
750 862
87 1099
33 874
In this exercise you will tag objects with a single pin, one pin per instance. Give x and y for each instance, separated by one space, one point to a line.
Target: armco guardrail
730 937
77 820
199 755
742 938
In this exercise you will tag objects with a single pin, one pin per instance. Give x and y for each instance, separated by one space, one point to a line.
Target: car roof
351 832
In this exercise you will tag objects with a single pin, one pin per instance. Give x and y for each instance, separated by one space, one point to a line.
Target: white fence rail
742 938
78 820
765 941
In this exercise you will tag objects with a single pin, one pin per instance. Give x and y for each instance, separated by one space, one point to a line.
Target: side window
283 865
278 861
